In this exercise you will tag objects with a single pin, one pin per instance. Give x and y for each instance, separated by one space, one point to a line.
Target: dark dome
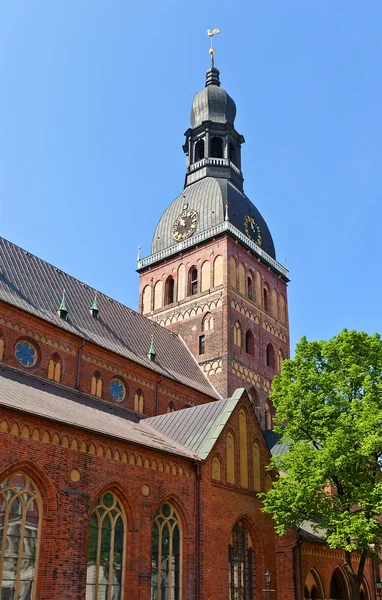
209 197
212 103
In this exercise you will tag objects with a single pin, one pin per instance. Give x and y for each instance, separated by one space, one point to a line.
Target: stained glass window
19 534
240 564
117 389
104 579
166 555
26 353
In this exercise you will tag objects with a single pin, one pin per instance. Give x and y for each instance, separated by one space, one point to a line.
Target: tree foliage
328 402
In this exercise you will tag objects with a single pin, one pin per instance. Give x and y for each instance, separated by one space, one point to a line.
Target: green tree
328 402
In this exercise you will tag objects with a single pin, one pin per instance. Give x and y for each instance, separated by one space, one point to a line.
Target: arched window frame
146 299
218 271
139 401
108 509
256 466
270 358
230 458
158 295
250 343
243 448
193 281
169 294
216 468
216 147
233 272
96 384
280 359
199 151
167 519
170 407
20 488
237 335
240 564
208 322
54 368
266 297
250 287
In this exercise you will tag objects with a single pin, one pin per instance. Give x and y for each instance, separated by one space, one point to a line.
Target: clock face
185 225
252 230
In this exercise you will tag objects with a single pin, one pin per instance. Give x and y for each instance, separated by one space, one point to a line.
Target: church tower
212 275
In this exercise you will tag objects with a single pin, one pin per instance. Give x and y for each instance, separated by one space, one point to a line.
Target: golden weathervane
212 51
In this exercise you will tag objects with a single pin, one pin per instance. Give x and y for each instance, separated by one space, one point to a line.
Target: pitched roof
37 397
35 286
196 428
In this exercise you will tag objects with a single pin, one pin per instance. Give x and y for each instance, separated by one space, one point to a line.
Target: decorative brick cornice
136 458
107 367
274 331
239 306
175 396
197 308
250 376
38 337
211 367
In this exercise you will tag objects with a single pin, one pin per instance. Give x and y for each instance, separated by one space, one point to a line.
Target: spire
63 311
152 355
94 310
226 213
212 75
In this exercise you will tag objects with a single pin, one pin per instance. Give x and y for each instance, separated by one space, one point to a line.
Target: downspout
197 527
157 396
79 365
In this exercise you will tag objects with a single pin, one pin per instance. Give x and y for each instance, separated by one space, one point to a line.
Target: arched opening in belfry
199 150
217 147
233 154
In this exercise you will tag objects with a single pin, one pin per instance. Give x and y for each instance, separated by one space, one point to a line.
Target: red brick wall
49 339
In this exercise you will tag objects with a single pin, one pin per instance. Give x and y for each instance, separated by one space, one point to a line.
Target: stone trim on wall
250 376
176 396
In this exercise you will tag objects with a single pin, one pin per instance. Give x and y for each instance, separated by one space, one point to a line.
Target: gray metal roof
208 197
37 397
212 103
35 286
199 427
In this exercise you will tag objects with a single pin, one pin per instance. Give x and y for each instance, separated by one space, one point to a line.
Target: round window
26 353
117 390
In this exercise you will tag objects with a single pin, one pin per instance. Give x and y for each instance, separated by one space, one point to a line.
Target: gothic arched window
96 385
146 299
237 335
106 550
230 458
193 281
199 150
240 564
233 154
171 407
249 287
266 298
250 343
270 358
208 322
139 401
166 555
20 518
216 147
169 290
256 467
54 368
243 449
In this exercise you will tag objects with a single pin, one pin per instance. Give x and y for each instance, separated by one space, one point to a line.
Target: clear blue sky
95 98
